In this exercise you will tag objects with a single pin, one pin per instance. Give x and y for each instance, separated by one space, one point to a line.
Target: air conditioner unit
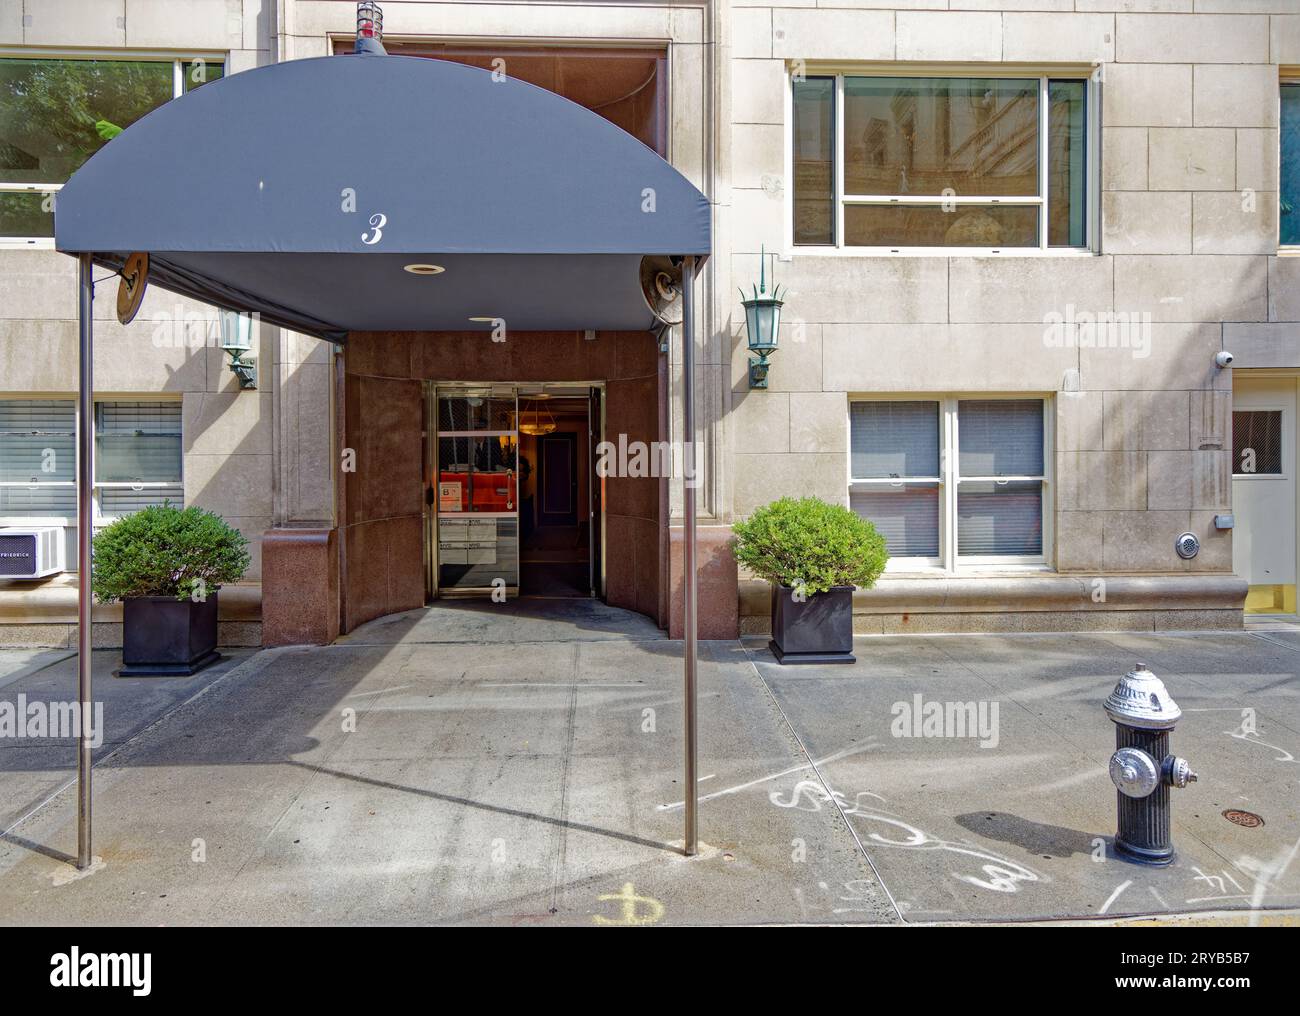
31 553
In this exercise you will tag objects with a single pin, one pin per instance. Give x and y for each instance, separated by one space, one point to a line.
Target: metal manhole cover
1245 819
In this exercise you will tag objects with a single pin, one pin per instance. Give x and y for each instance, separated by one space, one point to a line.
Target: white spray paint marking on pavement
1114 896
773 776
1266 875
1000 873
1251 738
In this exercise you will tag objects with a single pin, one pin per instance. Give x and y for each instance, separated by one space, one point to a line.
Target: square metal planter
817 630
166 637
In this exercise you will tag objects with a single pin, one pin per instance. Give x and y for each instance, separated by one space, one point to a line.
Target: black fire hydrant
1142 768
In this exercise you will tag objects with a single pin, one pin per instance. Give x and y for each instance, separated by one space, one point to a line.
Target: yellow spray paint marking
630 900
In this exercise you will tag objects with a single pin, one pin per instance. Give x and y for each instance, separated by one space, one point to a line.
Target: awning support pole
85 509
691 479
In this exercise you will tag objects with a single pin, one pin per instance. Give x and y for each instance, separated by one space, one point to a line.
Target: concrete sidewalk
34 768
392 780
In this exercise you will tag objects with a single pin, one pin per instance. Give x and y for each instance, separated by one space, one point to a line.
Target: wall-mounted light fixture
762 321
237 339
370 28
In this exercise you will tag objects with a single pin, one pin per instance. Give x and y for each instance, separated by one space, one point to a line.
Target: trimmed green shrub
167 551
805 540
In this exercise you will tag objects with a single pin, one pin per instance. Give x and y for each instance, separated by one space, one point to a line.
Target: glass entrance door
475 494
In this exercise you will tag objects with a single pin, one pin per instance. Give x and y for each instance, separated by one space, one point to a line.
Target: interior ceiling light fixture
537 426
419 269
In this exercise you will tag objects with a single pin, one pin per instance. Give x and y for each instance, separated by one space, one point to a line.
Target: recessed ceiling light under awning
302 190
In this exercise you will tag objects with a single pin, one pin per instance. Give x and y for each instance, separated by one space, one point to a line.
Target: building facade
1014 241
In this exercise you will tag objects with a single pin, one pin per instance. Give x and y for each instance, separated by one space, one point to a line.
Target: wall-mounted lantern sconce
762 321
237 339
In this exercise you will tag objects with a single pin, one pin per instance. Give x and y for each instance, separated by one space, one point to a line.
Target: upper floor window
951 481
56 113
1289 184
893 163
628 87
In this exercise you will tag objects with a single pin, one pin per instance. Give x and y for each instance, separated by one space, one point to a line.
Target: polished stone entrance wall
383 380
380 510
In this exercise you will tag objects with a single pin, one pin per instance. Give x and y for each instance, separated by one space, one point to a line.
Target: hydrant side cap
1140 699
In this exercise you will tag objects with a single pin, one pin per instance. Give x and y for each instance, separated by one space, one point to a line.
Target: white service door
1264 491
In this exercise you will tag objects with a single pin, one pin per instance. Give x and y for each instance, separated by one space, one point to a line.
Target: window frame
44 520
100 518
949 562
1287 77
1285 439
1044 75
178 62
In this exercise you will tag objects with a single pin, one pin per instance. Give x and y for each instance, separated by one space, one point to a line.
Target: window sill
48 522
809 250
969 571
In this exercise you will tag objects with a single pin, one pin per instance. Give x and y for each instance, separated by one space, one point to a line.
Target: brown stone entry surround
379 568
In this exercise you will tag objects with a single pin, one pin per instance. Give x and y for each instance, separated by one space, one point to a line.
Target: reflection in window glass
1289 218
137 455
56 114
27 213
474 553
198 72
975 136
478 410
814 161
137 442
936 226
1066 178
941 162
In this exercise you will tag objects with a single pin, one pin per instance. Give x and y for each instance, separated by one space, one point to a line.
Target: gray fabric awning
242 192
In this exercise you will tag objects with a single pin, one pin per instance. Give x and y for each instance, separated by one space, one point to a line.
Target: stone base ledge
1038 602
108 635
54 601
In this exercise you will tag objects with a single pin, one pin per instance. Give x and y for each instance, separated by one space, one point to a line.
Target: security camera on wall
1223 359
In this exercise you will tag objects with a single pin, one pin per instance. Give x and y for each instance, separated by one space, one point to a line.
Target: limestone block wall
1188 219
169 351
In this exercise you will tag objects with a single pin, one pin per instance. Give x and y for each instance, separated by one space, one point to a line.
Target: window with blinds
38 458
137 457
990 506
894 462
1000 477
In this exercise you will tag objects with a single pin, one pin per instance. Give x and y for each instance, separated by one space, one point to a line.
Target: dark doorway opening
558 492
